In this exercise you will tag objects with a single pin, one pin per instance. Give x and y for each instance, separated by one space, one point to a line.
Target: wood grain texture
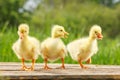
11 70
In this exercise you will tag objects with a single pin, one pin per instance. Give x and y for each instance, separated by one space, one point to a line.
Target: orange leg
63 66
88 61
62 59
45 51
46 67
23 64
32 67
28 69
82 66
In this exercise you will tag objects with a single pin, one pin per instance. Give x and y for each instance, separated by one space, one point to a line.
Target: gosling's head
96 32
23 30
59 32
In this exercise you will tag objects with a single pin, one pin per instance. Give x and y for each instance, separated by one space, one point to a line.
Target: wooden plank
73 71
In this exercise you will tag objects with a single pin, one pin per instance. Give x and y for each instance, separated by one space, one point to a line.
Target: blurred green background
77 16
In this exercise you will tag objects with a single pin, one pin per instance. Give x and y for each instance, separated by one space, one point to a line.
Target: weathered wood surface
72 72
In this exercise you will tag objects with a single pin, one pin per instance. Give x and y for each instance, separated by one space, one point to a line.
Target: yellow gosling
26 47
53 47
84 48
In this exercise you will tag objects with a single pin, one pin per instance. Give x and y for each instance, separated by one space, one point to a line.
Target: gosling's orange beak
99 36
21 36
66 34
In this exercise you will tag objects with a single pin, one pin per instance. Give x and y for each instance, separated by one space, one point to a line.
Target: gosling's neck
55 36
90 40
24 40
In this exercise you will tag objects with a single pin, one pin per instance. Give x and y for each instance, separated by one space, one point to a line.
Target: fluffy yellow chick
53 47
83 49
26 47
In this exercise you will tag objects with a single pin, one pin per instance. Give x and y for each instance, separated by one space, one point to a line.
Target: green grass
108 52
109 49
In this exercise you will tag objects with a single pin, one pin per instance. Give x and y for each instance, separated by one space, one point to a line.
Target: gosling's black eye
95 32
61 30
25 31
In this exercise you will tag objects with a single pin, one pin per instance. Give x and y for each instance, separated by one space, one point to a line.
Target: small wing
73 49
15 48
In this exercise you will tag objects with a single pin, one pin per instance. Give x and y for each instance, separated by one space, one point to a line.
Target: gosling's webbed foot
23 68
84 67
61 67
47 68
30 69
